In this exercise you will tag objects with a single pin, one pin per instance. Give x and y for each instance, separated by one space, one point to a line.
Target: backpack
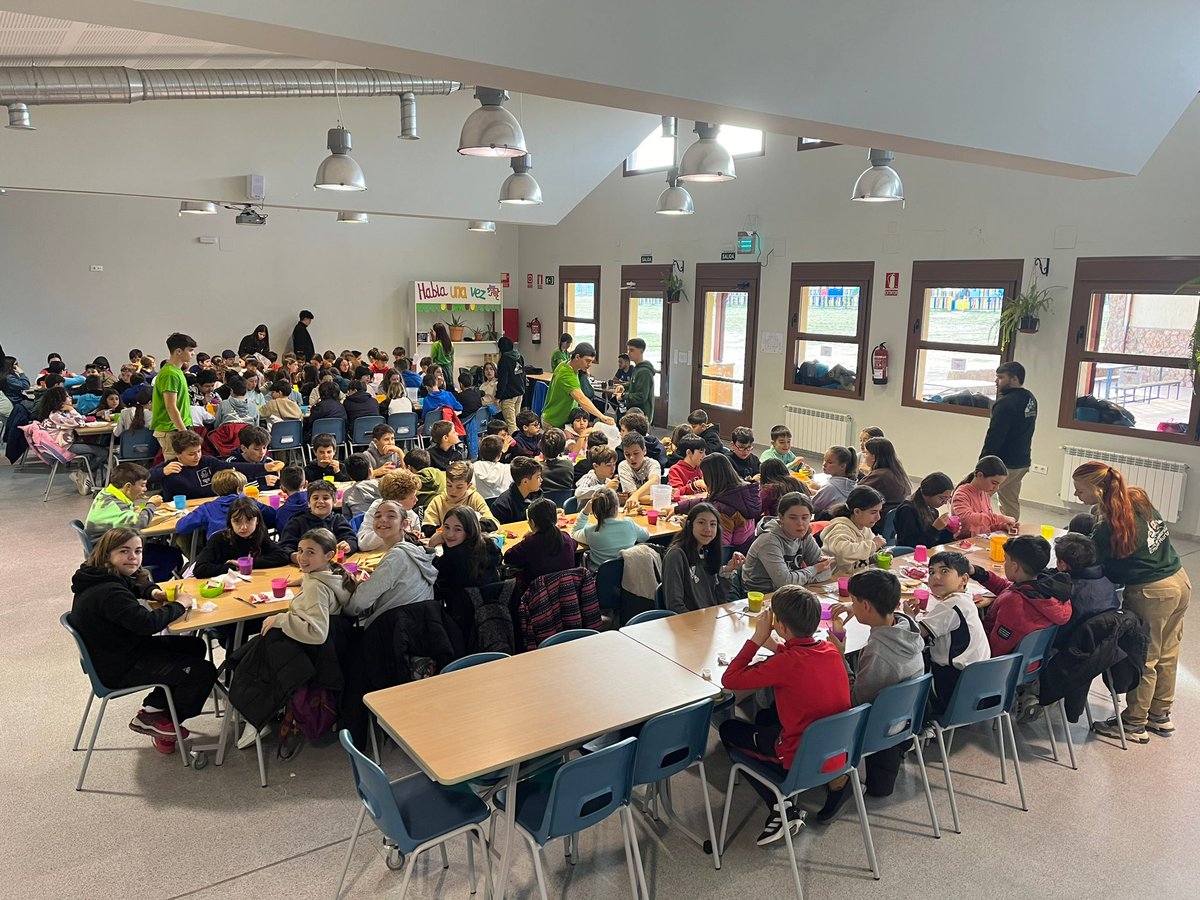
311 712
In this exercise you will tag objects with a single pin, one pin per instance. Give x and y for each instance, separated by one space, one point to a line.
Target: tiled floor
1123 825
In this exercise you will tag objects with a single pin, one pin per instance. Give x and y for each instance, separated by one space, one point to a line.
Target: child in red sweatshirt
810 683
685 477
1028 599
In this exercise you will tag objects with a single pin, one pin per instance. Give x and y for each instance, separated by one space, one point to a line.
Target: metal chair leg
1117 713
1007 719
633 883
91 743
362 814
1000 747
445 858
868 842
470 862
179 742
937 831
712 830
262 766
937 730
725 813
83 721
50 483
1062 708
787 836
627 816
1050 730
538 869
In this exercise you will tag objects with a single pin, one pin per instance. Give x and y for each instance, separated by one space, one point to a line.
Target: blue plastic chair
896 714
608 584
84 537
650 615
571 634
735 582
571 506
660 599
475 659
360 431
414 814
405 426
428 417
105 693
137 445
666 745
287 437
570 798
559 498
985 691
1034 648
887 530
827 751
471 433
331 426
541 391
901 550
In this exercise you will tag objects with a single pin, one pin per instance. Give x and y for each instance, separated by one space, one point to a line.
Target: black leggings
177 661
758 737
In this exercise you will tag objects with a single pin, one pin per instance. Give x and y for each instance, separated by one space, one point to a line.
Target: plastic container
171 590
252 490
351 568
274 501
660 496
921 595
180 502
996 547
1048 532
954 523
921 554
208 592
843 587
652 516
883 560
278 587
754 601
245 565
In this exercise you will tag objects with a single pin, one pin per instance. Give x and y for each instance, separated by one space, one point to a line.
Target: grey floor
1123 825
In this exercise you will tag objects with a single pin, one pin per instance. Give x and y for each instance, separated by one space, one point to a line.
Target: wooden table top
93 428
979 553
694 639
463 724
229 608
519 530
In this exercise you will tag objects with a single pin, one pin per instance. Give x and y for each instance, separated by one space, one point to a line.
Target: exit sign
647 258
728 256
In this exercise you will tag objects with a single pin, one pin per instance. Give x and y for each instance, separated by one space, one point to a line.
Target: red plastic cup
843 587
278 587
652 516
245 565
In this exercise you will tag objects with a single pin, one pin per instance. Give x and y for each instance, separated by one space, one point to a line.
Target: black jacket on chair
1114 642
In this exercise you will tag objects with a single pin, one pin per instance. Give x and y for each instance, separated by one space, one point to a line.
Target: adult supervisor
302 341
565 392
1010 433
638 393
172 406
256 342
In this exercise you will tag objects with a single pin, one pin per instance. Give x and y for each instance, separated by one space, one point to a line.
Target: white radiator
1163 480
816 430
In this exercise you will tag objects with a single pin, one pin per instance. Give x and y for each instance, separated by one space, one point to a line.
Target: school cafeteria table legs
510 829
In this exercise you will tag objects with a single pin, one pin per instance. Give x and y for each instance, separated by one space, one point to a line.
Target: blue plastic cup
181 502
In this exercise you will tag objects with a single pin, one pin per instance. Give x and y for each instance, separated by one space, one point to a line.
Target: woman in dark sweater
545 550
917 519
468 560
245 534
112 615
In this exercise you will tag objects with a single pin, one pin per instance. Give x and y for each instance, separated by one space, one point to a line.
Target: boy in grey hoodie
893 654
784 551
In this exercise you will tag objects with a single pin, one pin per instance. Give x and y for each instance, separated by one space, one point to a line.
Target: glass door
726 326
645 313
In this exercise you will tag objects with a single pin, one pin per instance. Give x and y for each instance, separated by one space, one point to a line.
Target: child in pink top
972 500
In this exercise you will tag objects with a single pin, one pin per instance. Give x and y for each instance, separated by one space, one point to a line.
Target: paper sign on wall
891 284
529 280
770 342
504 279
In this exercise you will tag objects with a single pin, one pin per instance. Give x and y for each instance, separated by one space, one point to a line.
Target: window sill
1070 423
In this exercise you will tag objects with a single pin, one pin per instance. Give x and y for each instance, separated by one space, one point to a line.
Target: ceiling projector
250 216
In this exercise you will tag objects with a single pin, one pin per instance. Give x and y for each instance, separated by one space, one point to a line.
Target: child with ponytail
972 500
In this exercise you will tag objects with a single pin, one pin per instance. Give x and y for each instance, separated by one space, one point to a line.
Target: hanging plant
1023 314
673 285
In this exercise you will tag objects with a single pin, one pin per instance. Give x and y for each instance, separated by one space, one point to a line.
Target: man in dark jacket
302 341
1010 434
510 375
639 393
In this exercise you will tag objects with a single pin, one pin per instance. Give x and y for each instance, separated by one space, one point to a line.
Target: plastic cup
826 613
304 410
706 674
499 539
274 501
883 560
180 502
954 523
921 595
341 555
921 553
245 565
754 601
329 478
996 547
843 587
652 516
171 590
252 490
351 568
1048 532
339 496
278 588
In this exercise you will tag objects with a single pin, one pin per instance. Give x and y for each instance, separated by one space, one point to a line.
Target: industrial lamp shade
353 218
491 130
707 159
18 117
880 183
339 171
197 208
520 188
485 226
674 201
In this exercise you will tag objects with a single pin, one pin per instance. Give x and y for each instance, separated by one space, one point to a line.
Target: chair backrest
671 742
360 428
431 415
404 424
136 444
558 498
895 713
608 583
331 426
475 659
1033 649
84 537
571 506
827 749
735 582
541 391
375 791
287 435
571 634
984 691
650 615
588 790
887 530
660 597
85 658
483 415
471 433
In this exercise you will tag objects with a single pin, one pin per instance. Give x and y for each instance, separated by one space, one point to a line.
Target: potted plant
478 330
1023 314
673 285
455 326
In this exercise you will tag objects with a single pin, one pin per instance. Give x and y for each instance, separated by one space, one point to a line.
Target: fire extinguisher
879 364
535 328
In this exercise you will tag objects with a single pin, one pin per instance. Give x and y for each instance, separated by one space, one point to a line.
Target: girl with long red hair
1134 547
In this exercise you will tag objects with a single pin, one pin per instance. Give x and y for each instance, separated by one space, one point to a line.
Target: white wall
158 278
955 211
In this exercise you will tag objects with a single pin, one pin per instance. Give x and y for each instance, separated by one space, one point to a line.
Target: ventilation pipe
408 117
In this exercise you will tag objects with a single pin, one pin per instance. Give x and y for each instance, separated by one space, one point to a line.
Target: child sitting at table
432 479
693 576
528 439
637 472
320 514
458 493
546 550
56 412
292 496
774 480
282 407
917 518
1082 523
685 477
558 472
444 445
604 467
324 461
136 416
784 551
635 420
253 441
365 490
491 477
1027 599
499 427
190 473
583 465
952 623
610 533
781 448
848 536
236 408
469 397
841 465
577 430
894 652
526 487
707 431
121 633
109 407
400 487
244 534
809 681
468 560
741 453
212 517
382 453
123 502
972 500
1091 591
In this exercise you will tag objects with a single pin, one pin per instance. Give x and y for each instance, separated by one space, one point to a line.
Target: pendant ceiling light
198 208
707 159
484 226
880 183
18 117
674 201
339 171
353 218
491 130
520 188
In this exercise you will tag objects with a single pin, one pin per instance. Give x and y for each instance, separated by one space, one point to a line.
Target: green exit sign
747 242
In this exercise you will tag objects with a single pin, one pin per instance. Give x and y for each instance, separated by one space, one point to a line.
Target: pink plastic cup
843 587
245 565
278 587
652 516
274 501
954 523
339 496
826 613
921 553
922 597
351 568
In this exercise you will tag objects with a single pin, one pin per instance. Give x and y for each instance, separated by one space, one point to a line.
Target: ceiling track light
353 218
670 126
675 200
491 130
339 171
520 188
18 117
408 117
197 208
707 159
484 226
880 183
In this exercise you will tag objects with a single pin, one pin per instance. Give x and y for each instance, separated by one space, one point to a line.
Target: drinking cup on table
339 496
329 478
921 553
274 501
278 588
921 595
843 587
498 537
181 502
171 590
754 601
252 490
351 568
652 516
996 547
883 560
954 523
1048 532
245 565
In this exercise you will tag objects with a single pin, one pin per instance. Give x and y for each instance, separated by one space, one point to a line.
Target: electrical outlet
1038 470
97 268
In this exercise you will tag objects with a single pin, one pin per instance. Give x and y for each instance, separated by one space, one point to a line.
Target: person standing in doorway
1010 433
302 342
639 392
172 403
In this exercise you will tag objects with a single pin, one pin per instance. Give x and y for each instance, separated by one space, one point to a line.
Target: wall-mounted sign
529 280
438 296
549 281
647 258
541 279
504 280
728 256
891 284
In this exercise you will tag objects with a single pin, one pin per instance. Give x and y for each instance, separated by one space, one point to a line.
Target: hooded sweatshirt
112 509
834 493
214 559
1022 607
510 373
775 560
892 654
405 575
322 596
738 512
850 546
639 393
974 508
957 631
234 410
1091 593
292 504
213 516
1010 433
712 439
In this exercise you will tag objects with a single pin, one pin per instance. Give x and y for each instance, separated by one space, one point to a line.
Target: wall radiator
816 430
1163 480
